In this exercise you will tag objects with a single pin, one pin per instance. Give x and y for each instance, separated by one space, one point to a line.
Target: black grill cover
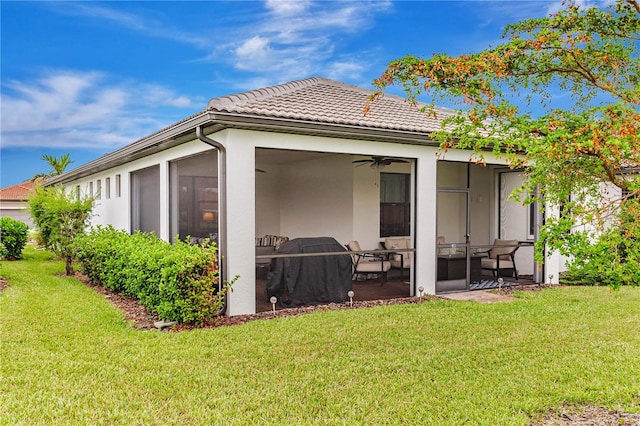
297 281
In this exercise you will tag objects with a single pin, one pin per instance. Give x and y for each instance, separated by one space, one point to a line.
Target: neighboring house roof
19 192
314 106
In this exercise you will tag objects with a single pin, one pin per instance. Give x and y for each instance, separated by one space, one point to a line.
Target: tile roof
321 100
19 192
314 105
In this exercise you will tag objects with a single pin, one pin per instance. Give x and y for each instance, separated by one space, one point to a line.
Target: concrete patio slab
480 296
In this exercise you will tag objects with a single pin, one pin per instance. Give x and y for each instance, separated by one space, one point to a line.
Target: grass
68 357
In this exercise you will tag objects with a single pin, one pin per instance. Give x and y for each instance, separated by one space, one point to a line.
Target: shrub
180 282
60 217
3 251
13 235
611 258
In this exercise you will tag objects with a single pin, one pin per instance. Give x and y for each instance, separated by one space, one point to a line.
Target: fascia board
283 125
184 132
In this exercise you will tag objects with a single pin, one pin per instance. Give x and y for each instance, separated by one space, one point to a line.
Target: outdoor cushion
489 263
402 259
496 250
373 266
501 257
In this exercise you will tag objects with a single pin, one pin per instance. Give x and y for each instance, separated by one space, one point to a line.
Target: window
532 211
77 192
194 196
98 189
91 189
118 193
145 200
107 188
395 204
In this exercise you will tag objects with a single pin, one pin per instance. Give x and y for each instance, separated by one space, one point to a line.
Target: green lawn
68 357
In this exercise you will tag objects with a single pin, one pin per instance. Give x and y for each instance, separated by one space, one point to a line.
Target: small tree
58 165
13 237
60 217
571 157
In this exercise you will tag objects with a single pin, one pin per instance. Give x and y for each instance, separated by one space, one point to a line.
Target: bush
60 217
3 251
13 235
611 258
179 282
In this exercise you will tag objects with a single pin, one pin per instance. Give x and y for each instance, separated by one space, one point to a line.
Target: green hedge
177 281
13 236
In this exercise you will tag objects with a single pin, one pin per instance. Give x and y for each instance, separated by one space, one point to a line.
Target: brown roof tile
19 192
326 101
316 100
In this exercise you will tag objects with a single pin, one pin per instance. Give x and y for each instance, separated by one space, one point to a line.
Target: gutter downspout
222 199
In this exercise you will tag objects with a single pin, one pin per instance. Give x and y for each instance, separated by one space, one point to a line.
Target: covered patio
350 197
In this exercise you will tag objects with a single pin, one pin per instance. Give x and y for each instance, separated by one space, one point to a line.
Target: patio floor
393 288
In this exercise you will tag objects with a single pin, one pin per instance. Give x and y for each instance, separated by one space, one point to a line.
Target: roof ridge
243 98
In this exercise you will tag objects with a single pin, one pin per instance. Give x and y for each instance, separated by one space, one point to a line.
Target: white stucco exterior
323 195
295 176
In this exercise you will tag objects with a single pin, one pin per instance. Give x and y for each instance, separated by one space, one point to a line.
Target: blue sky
86 78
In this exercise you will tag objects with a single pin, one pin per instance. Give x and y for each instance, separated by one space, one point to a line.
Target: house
13 202
301 159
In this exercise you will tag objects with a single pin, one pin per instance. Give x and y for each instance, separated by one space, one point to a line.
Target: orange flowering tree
585 158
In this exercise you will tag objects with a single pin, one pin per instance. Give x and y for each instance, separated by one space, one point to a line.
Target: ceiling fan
378 161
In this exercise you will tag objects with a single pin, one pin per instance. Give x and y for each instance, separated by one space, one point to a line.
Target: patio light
350 293
500 281
420 290
550 278
273 301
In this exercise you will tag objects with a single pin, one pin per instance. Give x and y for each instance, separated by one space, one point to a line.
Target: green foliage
178 281
581 158
60 217
613 258
69 358
58 165
13 237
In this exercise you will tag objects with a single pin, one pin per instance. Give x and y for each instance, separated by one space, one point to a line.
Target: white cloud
345 70
556 6
83 109
254 52
298 39
154 95
287 7
287 40
135 22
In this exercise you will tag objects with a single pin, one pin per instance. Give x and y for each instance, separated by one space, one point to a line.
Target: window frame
405 204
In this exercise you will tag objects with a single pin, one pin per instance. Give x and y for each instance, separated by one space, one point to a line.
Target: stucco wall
325 196
115 210
316 198
268 192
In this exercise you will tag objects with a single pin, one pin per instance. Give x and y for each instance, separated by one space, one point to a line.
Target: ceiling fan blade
377 160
